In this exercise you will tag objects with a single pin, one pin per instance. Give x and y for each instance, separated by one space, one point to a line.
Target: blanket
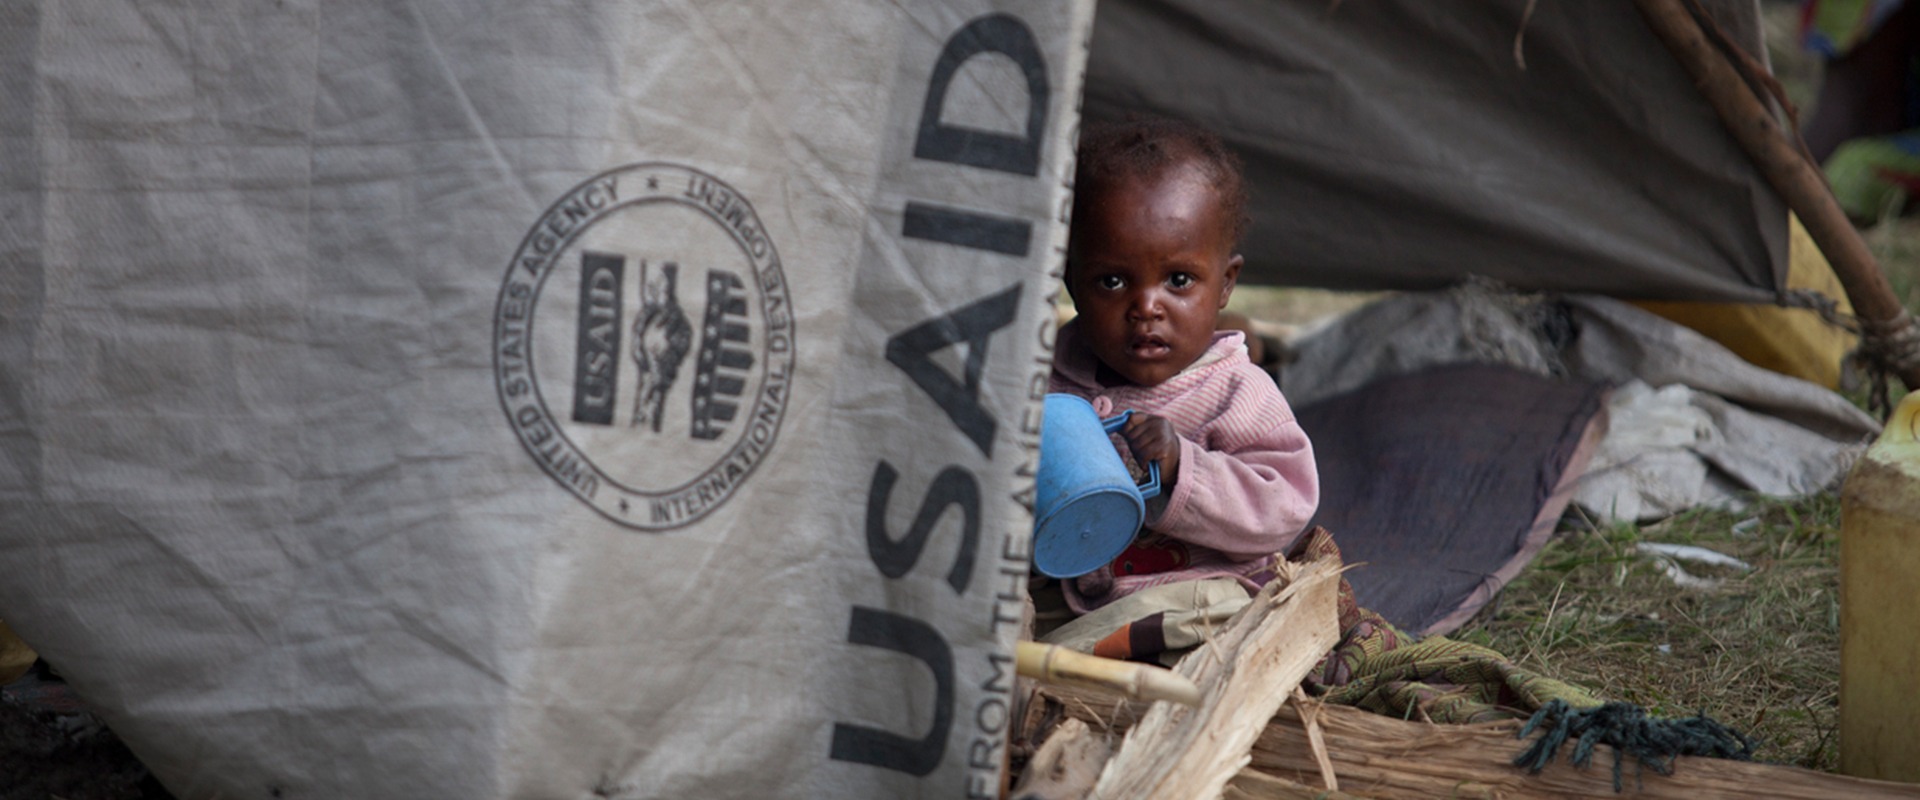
1444 482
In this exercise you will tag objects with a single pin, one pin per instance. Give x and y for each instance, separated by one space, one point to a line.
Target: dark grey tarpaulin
1397 144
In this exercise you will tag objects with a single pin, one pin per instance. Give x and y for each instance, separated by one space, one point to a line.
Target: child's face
1151 264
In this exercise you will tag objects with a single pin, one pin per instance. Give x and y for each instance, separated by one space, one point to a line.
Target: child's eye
1109 282
1181 280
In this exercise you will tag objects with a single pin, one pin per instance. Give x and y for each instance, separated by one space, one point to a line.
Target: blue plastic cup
1087 508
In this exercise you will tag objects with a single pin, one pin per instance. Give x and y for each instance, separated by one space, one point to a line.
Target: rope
1827 307
1653 742
1887 347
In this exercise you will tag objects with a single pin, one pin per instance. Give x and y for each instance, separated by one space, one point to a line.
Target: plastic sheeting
531 399
1676 448
1400 144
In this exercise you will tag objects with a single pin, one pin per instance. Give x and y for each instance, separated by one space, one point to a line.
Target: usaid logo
643 343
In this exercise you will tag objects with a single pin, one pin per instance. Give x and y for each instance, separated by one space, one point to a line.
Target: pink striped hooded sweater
1247 483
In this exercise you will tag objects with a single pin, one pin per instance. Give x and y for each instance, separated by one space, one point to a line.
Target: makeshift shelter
345 445
1561 148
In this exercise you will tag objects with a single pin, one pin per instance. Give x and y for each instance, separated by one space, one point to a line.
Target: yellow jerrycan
1880 605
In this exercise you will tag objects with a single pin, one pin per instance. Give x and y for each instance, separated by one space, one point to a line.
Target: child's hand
1152 438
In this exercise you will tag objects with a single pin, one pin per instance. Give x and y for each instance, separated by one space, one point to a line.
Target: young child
1158 211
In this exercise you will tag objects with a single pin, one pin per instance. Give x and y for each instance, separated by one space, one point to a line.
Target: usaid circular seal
643 343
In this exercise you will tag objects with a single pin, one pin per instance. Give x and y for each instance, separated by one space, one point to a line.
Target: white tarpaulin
548 398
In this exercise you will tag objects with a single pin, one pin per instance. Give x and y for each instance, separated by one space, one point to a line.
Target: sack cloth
531 399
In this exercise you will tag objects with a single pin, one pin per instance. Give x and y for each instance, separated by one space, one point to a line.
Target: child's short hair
1139 147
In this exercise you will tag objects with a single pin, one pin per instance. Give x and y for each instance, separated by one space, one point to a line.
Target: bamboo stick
1245 672
1053 664
1792 173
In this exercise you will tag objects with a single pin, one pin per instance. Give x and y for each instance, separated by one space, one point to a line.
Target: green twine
1653 742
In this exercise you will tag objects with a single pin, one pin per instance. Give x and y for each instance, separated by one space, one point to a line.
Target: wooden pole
1386 757
1798 180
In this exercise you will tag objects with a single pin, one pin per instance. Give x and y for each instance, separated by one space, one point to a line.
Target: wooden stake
1245 673
1798 180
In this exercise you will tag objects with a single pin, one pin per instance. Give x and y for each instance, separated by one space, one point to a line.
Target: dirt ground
45 755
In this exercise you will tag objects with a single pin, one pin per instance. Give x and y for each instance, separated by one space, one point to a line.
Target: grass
1760 651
